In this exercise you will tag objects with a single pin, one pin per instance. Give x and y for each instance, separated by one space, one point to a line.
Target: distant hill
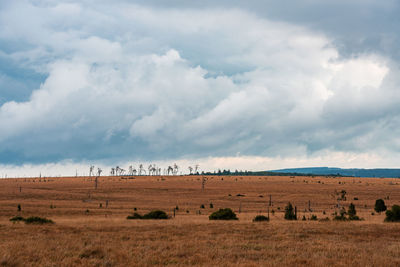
388 173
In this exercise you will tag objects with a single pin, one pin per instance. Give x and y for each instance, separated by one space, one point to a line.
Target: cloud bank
114 82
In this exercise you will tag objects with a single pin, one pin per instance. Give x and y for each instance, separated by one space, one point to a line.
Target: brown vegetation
86 233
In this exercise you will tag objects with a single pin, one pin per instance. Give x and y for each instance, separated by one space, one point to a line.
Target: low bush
17 219
261 218
156 214
134 216
37 220
290 213
223 214
152 215
313 218
393 215
380 205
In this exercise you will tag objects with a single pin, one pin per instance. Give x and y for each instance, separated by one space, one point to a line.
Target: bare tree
112 172
170 170
176 168
99 171
91 170
130 172
141 170
190 169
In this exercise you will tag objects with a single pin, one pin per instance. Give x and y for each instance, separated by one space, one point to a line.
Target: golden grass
103 236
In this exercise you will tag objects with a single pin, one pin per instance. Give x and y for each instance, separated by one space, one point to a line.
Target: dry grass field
90 232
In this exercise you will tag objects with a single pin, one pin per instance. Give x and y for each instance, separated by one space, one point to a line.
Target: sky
255 85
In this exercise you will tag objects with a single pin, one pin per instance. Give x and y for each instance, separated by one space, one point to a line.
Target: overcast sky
232 84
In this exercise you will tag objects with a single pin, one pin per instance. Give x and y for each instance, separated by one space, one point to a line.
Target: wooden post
174 212
95 183
309 205
295 212
270 200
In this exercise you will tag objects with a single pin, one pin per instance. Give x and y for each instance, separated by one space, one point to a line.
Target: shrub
339 218
313 217
289 212
304 218
380 205
156 214
352 210
223 214
261 218
17 219
37 220
202 206
19 207
211 206
134 216
393 215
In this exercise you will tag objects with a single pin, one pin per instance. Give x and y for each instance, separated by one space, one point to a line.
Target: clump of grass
38 220
261 218
92 253
223 214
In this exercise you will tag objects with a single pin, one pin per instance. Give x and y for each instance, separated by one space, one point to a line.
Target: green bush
313 218
380 205
261 218
17 219
289 212
156 214
393 215
223 214
37 220
134 216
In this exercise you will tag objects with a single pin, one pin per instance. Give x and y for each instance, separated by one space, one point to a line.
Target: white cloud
125 81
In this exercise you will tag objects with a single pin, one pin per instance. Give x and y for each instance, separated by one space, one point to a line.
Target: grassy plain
88 232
